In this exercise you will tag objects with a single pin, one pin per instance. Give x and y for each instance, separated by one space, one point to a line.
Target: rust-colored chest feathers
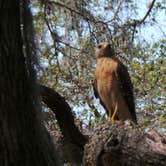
105 73
112 85
109 88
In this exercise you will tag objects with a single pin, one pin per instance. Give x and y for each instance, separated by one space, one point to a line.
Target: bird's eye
99 46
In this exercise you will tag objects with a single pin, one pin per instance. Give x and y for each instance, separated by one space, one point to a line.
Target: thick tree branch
63 114
123 144
118 144
73 137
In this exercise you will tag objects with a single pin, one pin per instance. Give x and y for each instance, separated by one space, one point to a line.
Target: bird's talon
112 119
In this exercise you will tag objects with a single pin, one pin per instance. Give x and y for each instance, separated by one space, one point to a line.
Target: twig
148 12
117 10
91 18
55 37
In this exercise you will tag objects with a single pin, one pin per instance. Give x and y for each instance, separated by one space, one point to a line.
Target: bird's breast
105 74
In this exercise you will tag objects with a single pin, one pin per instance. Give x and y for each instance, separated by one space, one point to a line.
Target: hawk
112 85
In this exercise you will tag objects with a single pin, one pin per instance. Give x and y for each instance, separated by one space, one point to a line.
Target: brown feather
112 85
97 95
126 88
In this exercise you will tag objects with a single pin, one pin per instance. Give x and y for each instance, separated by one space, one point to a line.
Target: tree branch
148 12
55 36
123 143
118 9
139 22
120 143
73 137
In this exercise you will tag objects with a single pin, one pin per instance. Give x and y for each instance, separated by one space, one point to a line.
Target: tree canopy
67 33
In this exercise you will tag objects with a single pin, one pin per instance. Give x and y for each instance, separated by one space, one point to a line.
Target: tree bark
23 139
118 144
124 144
74 139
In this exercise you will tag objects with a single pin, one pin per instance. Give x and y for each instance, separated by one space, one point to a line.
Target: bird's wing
126 88
97 94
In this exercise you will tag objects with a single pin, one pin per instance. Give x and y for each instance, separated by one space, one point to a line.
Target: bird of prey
112 85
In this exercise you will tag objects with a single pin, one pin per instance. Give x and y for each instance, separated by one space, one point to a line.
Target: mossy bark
23 138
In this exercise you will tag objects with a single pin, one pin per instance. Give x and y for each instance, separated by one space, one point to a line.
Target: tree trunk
23 138
124 144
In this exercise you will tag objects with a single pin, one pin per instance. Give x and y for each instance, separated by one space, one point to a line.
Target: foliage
67 32
148 76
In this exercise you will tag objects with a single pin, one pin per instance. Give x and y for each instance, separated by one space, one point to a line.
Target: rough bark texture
23 139
118 144
74 139
124 144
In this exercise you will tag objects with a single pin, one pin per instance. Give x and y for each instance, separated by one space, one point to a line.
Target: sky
148 32
153 32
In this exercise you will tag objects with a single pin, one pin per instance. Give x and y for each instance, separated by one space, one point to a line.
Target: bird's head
104 50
